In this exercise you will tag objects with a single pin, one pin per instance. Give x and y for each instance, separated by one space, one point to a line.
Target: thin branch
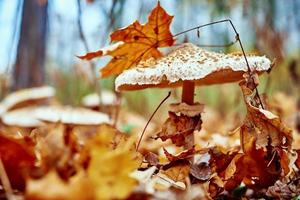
139 142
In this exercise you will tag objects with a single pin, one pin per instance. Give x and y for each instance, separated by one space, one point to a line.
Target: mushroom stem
187 97
188 89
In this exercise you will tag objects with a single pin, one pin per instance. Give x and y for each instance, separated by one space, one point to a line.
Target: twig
96 83
237 37
139 142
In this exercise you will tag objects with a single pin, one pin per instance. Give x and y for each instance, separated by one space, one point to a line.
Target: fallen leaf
262 126
201 171
298 159
177 128
177 170
18 158
52 187
111 180
283 190
182 155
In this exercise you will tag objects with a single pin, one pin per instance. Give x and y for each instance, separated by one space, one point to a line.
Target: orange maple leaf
141 42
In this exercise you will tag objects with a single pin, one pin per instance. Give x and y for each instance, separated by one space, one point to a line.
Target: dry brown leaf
298 159
262 126
151 158
18 158
178 170
186 154
177 128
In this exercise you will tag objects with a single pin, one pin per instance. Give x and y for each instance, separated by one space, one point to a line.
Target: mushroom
25 97
23 117
20 121
74 127
188 66
71 117
108 102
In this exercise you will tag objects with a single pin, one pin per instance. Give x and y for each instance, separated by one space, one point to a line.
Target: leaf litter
72 161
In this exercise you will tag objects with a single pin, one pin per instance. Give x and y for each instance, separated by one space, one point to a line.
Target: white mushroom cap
70 115
189 62
24 117
107 98
26 95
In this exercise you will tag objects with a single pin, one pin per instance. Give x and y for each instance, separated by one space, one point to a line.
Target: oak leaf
141 42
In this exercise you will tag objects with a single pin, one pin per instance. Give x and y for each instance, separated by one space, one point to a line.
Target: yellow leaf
109 169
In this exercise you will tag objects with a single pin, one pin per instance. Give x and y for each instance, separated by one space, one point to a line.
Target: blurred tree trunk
29 67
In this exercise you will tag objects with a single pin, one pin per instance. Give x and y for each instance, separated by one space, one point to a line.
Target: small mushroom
70 115
188 66
108 102
19 121
23 117
27 97
72 118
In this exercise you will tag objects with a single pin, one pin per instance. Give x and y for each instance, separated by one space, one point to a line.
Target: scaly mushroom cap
189 62
70 115
14 100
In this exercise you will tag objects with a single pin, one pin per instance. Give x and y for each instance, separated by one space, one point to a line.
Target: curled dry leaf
178 170
220 160
256 169
262 126
177 128
18 158
186 154
140 42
